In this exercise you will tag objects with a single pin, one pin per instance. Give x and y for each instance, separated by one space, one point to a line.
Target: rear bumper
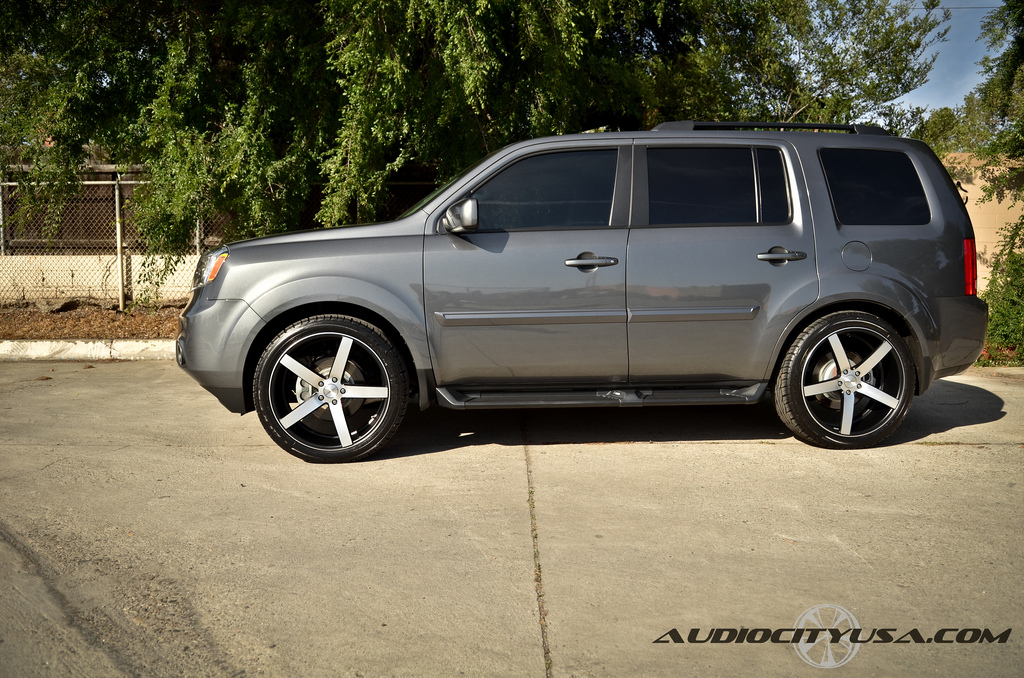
963 322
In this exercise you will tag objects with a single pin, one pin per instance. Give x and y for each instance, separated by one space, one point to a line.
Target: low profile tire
846 381
331 388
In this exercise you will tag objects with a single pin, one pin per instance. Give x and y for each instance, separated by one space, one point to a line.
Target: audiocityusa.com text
813 635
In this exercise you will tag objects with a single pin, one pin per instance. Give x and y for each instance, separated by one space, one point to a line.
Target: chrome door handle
780 255
592 263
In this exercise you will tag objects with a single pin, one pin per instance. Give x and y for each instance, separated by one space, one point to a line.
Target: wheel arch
276 324
898 320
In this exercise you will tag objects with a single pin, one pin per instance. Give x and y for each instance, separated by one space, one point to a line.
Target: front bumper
214 337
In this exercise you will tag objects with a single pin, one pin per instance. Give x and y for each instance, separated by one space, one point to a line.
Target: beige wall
988 218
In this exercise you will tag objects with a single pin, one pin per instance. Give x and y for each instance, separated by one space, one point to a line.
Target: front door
518 302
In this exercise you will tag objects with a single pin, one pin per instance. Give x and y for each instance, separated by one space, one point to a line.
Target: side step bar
625 397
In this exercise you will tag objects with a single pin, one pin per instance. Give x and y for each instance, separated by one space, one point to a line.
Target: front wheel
846 381
331 388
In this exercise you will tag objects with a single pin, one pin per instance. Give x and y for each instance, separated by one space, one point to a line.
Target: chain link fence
92 252
95 252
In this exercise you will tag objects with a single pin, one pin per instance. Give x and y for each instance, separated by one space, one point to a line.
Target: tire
846 382
331 388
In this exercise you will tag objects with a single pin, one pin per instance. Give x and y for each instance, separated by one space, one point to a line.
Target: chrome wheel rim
329 390
848 394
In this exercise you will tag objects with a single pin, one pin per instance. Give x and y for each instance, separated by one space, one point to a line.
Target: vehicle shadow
438 430
948 405
945 407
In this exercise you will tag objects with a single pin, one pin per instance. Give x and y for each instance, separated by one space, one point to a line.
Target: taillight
970 267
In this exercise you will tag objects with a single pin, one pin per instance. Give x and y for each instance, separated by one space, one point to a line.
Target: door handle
777 256
588 261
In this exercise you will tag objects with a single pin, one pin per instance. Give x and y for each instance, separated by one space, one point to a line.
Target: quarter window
730 185
772 186
874 188
556 190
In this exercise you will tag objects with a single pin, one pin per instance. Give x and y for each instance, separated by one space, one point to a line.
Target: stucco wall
988 218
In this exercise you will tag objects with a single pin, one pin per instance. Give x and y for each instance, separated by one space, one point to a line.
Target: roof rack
691 125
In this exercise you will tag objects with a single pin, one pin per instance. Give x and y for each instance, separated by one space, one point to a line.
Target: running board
626 397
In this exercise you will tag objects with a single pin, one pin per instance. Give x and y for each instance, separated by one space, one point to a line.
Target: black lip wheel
331 388
846 382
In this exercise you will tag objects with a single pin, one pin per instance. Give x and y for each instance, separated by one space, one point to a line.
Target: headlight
209 266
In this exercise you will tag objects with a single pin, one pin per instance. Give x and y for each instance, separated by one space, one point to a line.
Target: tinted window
771 172
717 186
701 185
872 188
556 190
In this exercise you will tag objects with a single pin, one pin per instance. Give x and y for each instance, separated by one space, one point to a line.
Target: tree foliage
259 108
230 106
961 130
837 61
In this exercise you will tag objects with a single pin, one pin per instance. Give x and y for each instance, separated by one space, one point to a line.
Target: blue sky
956 71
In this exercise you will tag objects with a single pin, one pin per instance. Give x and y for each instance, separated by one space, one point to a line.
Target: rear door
721 260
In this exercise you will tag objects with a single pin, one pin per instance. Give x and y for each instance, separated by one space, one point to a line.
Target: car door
721 260
536 295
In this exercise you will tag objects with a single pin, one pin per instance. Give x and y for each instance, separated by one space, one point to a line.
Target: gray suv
830 268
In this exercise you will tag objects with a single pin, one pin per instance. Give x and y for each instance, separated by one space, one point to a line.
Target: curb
105 349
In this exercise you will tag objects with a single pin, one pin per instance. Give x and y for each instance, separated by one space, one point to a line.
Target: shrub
1005 297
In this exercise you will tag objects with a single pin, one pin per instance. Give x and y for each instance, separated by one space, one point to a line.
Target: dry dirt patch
85 321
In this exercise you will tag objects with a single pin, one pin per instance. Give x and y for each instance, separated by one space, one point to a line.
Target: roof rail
691 125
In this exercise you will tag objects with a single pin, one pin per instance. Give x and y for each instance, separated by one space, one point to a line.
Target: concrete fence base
47 277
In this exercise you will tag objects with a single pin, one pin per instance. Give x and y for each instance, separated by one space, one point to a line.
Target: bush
1005 297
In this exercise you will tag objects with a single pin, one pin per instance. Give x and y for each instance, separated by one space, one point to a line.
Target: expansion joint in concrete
542 612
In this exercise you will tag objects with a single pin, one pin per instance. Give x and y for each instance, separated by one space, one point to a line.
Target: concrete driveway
145 531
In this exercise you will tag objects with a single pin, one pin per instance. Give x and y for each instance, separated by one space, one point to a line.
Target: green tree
834 61
963 129
229 105
443 83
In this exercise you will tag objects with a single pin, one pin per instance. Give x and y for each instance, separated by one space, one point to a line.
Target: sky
956 72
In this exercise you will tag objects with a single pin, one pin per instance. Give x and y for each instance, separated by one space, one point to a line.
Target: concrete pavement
144 530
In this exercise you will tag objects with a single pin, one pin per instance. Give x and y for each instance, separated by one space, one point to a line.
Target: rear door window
874 187
717 185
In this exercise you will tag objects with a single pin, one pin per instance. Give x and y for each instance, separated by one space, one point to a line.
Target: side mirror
461 217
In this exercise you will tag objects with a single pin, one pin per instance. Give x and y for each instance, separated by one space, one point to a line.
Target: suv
831 268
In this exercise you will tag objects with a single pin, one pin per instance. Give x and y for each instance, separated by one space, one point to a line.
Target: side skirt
626 397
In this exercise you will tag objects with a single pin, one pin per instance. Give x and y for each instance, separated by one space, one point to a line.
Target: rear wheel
846 381
331 388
